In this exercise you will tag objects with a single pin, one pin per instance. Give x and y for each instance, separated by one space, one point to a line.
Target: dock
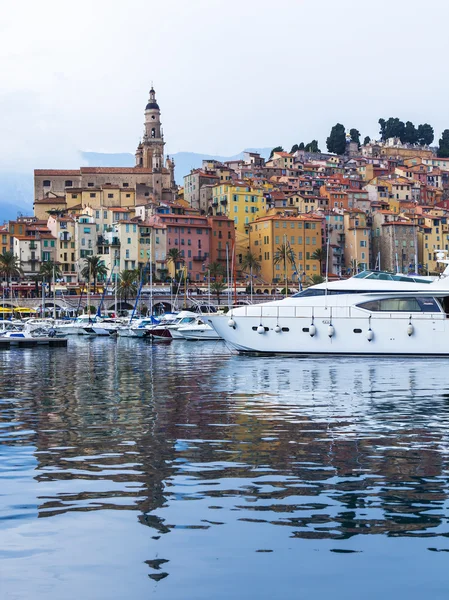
52 342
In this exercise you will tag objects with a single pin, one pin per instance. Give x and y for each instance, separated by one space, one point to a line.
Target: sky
228 74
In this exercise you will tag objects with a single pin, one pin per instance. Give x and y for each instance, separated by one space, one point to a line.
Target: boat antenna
327 257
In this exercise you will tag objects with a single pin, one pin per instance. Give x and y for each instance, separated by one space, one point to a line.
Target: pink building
190 234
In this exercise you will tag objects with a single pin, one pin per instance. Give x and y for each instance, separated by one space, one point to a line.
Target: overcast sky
228 74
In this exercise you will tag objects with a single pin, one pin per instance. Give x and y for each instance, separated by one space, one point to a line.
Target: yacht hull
352 336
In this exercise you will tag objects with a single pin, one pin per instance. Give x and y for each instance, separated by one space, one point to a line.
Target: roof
42 172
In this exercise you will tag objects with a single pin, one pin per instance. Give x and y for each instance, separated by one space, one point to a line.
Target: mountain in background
17 193
184 161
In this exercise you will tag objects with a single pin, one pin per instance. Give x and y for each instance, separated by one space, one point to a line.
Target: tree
284 254
336 142
216 270
391 128
355 135
425 134
10 267
301 146
217 288
312 147
127 283
443 145
277 149
382 125
94 269
366 140
175 257
50 270
315 279
411 134
295 147
318 255
250 262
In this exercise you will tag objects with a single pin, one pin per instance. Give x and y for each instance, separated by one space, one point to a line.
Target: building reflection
327 448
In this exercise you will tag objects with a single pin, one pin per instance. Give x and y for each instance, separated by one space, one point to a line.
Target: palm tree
250 263
50 270
216 270
318 255
127 283
315 279
174 257
284 254
218 287
10 267
94 268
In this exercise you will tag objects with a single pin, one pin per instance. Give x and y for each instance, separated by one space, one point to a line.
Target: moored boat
370 313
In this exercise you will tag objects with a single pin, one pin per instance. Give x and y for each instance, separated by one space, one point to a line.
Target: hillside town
291 219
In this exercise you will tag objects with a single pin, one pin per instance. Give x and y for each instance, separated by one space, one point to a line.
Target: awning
24 309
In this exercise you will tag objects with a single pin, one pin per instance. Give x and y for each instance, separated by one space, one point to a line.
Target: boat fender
261 329
410 329
231 323
331 331
312 330
277 329
370 335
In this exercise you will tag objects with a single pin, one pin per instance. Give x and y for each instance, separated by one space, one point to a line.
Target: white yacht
88 325
370 313
198 330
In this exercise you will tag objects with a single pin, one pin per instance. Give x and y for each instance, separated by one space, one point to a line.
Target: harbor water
180 471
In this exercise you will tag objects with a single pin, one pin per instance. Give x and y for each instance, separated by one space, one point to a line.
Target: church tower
150 152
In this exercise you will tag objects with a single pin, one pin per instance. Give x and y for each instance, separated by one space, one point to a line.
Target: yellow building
433 236
240 202
63 230
357 241
301 235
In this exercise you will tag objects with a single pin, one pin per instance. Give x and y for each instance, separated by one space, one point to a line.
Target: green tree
50 271
250 262
425 134
393 127
175 257
312 147
284 254
94 269
320 256
315 279
355 135
10 267
277 149
443 145
295 147
336 142
127 284
301 146
216 270
411 133
366 140
217 288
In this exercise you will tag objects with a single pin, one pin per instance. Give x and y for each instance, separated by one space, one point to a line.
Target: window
46 183
90 184
402 305
110 195
68 183
363 244
126 185
92 194
129 240
86 230
97 214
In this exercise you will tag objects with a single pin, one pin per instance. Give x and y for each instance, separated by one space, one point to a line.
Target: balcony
33 246
201 258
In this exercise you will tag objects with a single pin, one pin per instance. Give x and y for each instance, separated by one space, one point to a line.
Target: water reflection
189 437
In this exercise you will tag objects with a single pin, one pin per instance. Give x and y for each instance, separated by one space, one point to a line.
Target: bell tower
150 153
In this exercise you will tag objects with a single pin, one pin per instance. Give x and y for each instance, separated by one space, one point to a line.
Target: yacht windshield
385 276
